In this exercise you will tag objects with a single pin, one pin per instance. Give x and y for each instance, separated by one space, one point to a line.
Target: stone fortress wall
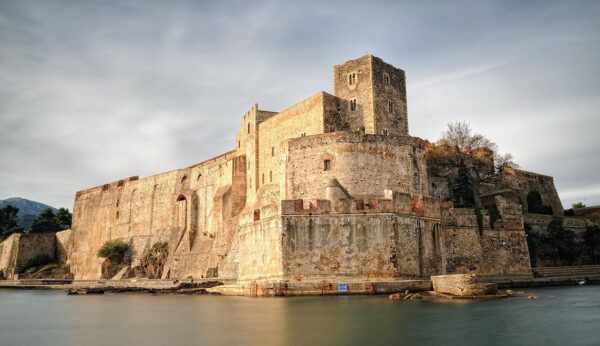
18 249
192 209
332 187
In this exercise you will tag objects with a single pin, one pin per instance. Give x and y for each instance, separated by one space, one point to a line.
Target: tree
45 222
8 222
63 218
470 157
591 243
561 243
578 205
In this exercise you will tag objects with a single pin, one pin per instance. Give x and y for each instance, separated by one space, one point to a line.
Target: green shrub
115 250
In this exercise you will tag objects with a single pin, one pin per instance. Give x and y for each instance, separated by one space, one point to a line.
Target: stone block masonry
331 189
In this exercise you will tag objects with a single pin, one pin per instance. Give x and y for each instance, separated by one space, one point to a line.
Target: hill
28 210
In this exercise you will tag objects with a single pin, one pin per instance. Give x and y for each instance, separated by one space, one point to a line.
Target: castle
331 189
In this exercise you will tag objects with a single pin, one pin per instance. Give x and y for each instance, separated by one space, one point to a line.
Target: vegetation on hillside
469 159
47 221
559 246
9 222
28 210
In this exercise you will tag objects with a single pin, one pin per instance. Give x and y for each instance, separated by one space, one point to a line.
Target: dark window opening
248 127
352 105
390 107
272 151
327 165
270 176
256 214
352 78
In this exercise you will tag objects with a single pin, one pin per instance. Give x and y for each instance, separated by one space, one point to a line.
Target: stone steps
567 271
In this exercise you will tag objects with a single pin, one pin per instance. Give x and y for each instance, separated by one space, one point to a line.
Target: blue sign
342 286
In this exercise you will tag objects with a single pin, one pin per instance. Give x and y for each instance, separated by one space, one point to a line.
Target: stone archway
182 212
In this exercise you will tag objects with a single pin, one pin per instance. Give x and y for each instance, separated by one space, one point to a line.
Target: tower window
352 78
390 106
385 132
272 151
352 105
263 179
248 127
270 176
386 79
327 165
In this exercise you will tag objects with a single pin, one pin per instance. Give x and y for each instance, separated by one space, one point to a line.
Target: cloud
92 92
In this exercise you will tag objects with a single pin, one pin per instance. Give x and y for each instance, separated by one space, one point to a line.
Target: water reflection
562 316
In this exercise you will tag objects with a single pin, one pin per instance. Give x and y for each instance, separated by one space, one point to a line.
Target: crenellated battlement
395 202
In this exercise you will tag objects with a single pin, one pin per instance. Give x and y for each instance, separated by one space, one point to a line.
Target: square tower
376 94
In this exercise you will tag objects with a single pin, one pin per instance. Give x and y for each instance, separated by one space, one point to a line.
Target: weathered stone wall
260 250
18 249
190 209
367 246
588 212
498 250
380 93
362 118
522 182
63 245
303 119
389 99
462 285
365 165
8 255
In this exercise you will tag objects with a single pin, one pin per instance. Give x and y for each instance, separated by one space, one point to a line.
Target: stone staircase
567 271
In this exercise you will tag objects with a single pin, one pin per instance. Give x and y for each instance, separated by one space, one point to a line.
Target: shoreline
212 286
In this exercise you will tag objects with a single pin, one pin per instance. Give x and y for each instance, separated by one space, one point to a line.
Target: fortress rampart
332 187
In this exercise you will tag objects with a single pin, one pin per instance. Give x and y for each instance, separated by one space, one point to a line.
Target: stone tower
376 94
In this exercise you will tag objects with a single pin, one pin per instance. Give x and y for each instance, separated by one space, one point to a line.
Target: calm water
564 316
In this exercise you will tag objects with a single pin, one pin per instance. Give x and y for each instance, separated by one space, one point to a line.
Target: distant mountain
28 210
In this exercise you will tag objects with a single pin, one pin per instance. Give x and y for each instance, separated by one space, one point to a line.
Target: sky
96 91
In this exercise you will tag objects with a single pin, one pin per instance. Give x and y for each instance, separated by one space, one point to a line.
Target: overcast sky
95 91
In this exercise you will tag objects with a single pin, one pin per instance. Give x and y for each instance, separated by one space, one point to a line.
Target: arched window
181 211
184 179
